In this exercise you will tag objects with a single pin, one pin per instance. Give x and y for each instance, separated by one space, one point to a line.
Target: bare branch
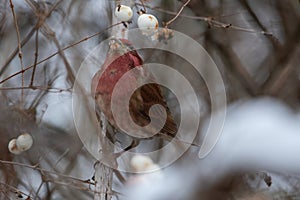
63 49
178 13
36 54
19 43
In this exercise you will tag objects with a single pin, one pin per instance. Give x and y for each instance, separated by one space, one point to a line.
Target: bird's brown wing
147 96
142 100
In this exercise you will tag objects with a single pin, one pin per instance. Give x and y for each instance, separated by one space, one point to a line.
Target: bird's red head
120 46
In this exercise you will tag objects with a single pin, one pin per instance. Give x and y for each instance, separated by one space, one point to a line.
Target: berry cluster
21 144
146 22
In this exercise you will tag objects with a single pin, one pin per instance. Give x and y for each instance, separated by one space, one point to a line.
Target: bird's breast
113 73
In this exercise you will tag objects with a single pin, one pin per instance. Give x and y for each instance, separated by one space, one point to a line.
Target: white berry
123 13
12 147
147 23
141 163
24 142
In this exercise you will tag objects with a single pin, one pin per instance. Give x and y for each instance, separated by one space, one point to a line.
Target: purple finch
121 58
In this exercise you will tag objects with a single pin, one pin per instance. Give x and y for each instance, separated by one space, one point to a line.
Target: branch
178 13
19 43
212 22
54 54
103 173
35 56
46 88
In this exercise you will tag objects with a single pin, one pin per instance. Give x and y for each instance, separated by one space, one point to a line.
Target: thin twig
49 89
273 40
41 170
30 34
281 55
57 52
212 22
280 77
68 67
51 33
68 184
178 13
15 52
36 54
15 190
19 44
144 7
238 68
42 19
38 190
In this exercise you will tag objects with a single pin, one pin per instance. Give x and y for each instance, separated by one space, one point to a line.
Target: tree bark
103 167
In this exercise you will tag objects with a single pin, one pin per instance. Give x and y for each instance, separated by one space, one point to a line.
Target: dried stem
43 171
48 89
63 49
15 52
178 13
31 32
35 56
18 192
212 22
144 7
51 33
19 44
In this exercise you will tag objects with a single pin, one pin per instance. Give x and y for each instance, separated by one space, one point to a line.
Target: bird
121 58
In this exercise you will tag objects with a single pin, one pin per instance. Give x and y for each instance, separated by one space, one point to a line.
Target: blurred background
255 45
